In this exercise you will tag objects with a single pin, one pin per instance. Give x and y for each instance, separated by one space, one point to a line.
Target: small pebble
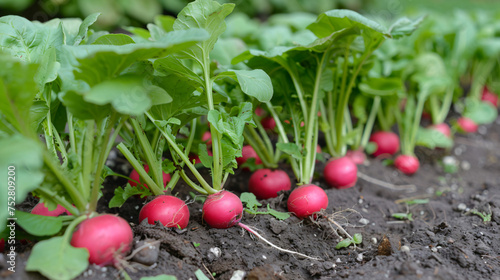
359 257
434 249
264 257
338 260
449 160
364 221
465 165
461 207
374 240
405 248
216 251
238 275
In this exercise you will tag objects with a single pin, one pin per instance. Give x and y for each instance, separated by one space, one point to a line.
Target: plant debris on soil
450 230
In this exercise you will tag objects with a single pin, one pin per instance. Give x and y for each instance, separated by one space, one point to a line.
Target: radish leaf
57 259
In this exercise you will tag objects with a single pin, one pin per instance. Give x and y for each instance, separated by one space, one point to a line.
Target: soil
443 240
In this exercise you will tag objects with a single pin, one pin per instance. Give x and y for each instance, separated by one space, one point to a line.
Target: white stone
238 275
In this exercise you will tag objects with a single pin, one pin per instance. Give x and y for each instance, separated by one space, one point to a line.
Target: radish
357 156
2 245
259 112
268 123
341 173
222 210
246 153
466 125
266 183
136 178
169 210
207 137
407 164
107 238
307 200
489 96
387 143
41 209
443 128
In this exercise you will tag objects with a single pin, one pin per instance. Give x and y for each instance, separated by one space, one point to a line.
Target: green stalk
185 159
216 137
369 123
87 158
445 106
328 135
254 139
148 153
194 185
175 177
105 143
284 138
312 126
265 138
69 230
298 89
416 122
145 178
72 190
62 148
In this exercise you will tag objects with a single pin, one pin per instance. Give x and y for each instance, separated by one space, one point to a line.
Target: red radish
246 153
443 128
266 183
341 173
407 164
467 125
2 245
207 137
318 149
357 156
40 209
489 96
136 178
169 210
268 123
387 143
222 210
307 200
426 115
107 238
259 111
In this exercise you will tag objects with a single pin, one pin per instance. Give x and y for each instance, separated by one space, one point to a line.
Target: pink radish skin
307 200
467 125
246 153
268 123
169 210
259 111
207 137
136 178
490 97
107 238
222 210
266 183
341 173
357 156
40 209
443 128
387 143
407 164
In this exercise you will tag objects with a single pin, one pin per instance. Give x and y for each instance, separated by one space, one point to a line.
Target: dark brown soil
444 240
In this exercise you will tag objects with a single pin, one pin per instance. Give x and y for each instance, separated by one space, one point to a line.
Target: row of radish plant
256 95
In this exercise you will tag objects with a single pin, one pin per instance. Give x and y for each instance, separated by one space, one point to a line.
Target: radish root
408 188
243 226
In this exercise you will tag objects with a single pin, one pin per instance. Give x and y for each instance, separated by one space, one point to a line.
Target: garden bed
444 240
